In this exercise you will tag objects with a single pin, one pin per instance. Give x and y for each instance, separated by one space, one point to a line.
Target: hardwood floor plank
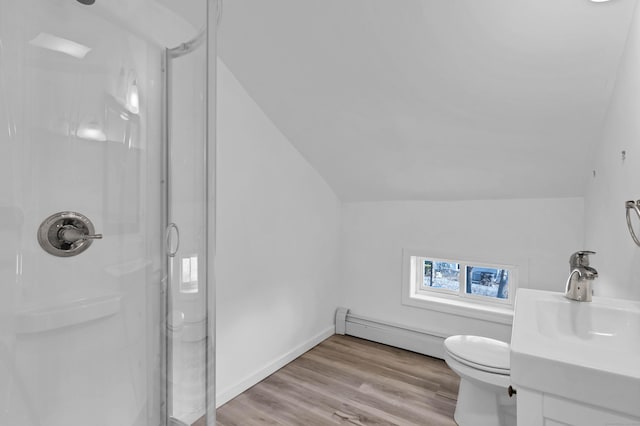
400 360
365 369
243 413
343 396
315 402
395 384
349 381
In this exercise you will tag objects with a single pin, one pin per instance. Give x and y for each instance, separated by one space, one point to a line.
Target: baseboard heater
400 336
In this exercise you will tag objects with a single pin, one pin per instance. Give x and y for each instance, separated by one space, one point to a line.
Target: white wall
277 246
540 232
618 258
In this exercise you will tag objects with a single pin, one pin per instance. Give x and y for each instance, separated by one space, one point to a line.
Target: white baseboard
228 394
400 336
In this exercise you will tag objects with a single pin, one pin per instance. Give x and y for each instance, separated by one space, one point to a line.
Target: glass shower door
186 229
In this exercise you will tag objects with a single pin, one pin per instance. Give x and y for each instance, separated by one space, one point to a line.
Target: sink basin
588 324
585 351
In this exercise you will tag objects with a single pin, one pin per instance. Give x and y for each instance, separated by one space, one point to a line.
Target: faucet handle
580 258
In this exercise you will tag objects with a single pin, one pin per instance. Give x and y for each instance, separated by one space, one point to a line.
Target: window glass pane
441 275
489 282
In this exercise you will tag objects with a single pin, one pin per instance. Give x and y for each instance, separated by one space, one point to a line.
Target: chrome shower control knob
71 234
66 234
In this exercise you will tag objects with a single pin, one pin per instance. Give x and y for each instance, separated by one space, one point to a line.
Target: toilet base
482 405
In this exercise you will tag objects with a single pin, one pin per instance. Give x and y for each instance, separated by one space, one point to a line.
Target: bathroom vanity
575 363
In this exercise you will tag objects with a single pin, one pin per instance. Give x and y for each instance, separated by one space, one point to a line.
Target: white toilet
483 367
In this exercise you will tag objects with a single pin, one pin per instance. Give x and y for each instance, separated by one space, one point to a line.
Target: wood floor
349 381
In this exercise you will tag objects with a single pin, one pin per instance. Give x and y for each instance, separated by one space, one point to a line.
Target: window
473 288
484 282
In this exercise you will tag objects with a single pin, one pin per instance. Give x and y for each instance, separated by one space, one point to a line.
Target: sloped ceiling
433 99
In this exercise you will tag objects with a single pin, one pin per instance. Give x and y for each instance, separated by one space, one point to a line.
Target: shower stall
106 165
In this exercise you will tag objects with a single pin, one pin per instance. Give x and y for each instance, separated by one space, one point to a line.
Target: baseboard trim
264 372
412 339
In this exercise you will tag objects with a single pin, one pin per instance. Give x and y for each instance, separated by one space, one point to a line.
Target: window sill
463 308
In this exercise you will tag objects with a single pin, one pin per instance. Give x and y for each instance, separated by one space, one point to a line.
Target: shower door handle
172 239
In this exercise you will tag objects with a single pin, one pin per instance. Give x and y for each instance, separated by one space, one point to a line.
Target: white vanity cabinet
541 409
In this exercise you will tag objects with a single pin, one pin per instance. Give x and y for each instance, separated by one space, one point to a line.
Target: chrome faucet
581 277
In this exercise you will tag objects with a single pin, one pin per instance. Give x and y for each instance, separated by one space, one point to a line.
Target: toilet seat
481 353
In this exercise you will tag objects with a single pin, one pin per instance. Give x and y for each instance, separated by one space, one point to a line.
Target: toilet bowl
483 367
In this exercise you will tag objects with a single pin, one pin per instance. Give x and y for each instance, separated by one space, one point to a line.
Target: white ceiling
433 99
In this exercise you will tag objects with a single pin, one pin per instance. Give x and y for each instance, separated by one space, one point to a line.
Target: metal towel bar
632 205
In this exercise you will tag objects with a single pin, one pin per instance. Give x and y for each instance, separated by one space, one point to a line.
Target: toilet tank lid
479 350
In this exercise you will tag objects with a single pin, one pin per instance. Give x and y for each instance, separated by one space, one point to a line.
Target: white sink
584 351
589 324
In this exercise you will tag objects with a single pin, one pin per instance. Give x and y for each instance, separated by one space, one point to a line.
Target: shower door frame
208 36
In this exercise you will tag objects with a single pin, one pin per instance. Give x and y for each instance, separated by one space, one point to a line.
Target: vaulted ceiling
433 99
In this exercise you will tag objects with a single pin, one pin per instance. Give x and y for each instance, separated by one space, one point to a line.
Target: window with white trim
467 280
